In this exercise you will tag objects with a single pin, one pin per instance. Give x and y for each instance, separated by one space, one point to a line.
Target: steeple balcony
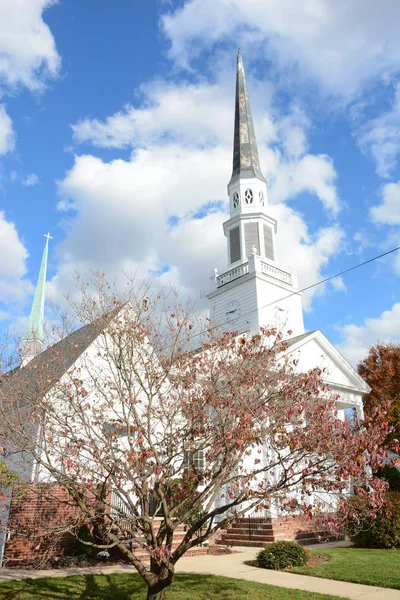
255 264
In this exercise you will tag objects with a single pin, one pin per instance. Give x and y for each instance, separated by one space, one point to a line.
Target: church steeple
34 337
254 291
250 226
246 163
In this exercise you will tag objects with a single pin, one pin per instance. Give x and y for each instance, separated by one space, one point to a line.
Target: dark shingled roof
293 340
246 162
47 368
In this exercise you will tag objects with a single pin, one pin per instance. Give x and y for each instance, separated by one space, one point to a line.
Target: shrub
384 530
281 555
81 549
392 476
59 562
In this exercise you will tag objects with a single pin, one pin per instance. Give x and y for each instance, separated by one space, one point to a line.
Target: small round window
235 200
262 198
248 196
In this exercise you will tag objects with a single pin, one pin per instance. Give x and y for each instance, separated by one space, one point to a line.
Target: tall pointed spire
34 337
246 162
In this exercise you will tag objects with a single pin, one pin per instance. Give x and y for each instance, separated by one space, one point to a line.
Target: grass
358 565
130 587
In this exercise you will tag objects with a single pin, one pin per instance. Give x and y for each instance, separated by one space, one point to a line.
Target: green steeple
35 330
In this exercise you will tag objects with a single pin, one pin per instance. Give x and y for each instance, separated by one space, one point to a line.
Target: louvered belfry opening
252 238
268 243
234 244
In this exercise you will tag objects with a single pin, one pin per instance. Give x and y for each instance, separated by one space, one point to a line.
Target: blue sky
116 124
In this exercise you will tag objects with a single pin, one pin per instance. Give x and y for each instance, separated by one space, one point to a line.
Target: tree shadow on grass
93 587
123 587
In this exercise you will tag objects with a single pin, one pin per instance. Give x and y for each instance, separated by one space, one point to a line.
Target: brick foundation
35 524
36 514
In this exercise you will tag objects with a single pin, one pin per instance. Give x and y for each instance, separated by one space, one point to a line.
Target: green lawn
130 587
372 567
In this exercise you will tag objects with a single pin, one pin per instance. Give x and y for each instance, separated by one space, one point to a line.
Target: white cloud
190 113
143 215
341 46
30 180
125 208
380 137
13 257
7 133
358 338
28 54
200 115
388 212
309 173
339 284
292 132
308 253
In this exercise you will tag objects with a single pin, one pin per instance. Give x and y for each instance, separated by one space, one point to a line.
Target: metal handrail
122 515
326 502
255 521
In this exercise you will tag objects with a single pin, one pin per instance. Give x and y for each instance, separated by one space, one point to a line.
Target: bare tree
147 434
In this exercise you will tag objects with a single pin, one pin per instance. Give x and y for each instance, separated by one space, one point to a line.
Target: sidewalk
229 565
232 565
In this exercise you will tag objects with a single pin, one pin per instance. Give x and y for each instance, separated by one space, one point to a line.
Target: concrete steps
179 534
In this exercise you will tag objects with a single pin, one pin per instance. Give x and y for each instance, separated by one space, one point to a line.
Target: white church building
255 289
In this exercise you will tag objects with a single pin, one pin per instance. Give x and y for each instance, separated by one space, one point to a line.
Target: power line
313 285
308 287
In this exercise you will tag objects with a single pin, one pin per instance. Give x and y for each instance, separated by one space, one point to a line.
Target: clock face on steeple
233 310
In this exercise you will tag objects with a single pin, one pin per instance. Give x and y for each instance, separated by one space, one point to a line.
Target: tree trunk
153 594
159 581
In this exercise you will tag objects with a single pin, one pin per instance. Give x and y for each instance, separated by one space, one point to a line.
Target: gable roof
47 368
331 352
297 338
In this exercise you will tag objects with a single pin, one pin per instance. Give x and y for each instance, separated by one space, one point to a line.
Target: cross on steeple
48 236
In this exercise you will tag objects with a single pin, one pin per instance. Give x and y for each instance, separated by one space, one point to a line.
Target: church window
235 200
252 238
268 243
155 507
194 459
248 196
262 198
234 244
115 428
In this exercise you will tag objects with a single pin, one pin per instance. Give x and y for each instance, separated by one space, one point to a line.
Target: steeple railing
265 268
272 271
232 274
